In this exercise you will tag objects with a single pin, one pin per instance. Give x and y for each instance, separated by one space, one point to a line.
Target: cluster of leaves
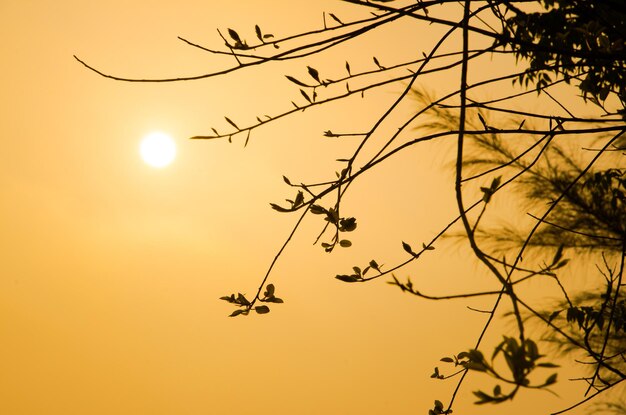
521 359
438 409
590 318
240 300
240 43
577 39
295 203
359 274
341 224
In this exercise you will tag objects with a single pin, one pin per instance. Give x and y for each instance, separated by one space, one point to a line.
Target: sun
157 149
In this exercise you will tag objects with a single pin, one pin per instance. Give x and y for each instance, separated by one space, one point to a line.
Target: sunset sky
111 270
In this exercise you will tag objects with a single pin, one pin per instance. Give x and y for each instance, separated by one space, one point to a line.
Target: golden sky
111 270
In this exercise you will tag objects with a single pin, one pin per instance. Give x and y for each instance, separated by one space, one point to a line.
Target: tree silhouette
577 198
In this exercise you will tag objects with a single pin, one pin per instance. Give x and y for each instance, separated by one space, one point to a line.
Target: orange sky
111 270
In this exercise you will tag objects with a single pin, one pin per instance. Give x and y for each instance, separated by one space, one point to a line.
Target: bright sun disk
157 149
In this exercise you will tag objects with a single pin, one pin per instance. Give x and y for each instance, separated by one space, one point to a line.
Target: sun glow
157 149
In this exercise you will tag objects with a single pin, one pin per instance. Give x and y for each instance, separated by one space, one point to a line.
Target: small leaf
497 390
304 94
236 313
348 68
286 180
317 210
269 290
482 121
314 74
347 278
262 309
215 131
299 199
428 247
561 263
482 397
234 35
551 379
548 364
558 255
447 359
345 243
278 208
231 123
258 32
374 265
407 248
377 63
295 81
438 405
335 18
495 183
553 315
268 36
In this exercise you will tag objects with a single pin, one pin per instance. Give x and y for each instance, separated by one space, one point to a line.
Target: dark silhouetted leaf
348 68
299 199
447 359
234 35
345 243
278 208
295 81
231 123
553 315
335 18
317 210
304 94
561 264
286 180
258 32
428 247
314 74
347 278
236 313
262 309
408 249
558 255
